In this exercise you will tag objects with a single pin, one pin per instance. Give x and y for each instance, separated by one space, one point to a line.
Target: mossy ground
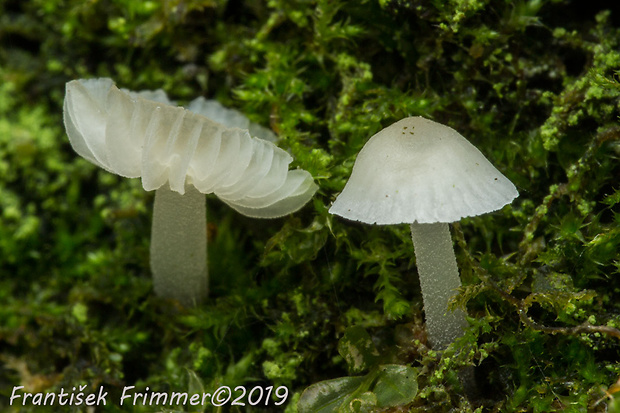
531 83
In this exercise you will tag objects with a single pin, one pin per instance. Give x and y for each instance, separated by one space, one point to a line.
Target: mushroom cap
417 170
232 118
140 134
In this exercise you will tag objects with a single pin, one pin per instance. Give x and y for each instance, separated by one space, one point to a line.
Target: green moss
533 84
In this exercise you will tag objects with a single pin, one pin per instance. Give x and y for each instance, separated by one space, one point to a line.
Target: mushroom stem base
439 281
179 245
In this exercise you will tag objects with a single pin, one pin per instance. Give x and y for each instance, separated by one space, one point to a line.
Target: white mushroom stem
439 281
179 245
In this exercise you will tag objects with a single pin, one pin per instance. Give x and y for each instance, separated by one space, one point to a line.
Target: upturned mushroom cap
139 134
417 170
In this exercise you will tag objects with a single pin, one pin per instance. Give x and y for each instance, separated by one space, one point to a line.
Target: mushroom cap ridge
417 170
128 134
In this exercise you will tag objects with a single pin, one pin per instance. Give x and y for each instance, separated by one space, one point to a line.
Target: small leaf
357 348
194 385
80 312
612 199
327 396
364 403
396 385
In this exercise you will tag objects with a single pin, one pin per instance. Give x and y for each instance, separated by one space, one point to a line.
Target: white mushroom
182 155
420 172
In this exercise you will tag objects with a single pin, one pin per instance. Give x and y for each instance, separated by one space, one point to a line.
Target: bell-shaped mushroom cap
417 170
139 134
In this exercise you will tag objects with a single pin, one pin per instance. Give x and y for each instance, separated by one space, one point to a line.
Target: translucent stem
439 280
179 245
